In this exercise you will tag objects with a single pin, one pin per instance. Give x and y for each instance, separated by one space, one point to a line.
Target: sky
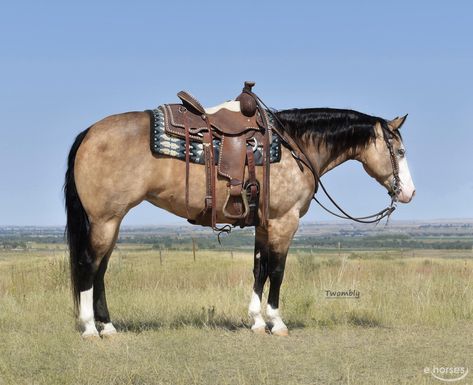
65 65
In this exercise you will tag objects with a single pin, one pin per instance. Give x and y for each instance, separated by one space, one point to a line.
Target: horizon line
302 222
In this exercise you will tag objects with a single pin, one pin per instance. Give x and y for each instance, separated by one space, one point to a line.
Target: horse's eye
401 152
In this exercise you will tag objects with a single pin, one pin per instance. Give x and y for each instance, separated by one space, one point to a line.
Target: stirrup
245 206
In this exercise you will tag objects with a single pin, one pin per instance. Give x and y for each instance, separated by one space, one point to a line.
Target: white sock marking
86 313
275 318
254 311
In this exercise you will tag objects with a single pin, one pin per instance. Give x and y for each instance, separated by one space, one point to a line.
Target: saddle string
367 219
225 229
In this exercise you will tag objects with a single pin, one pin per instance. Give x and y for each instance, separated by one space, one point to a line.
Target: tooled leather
232 123
170 124
187 97
223 122
220 159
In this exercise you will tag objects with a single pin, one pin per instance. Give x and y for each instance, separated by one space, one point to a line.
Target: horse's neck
325 159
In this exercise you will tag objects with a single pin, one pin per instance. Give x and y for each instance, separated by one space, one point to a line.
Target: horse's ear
397 123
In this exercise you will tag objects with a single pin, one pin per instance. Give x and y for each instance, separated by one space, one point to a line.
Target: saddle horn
247 100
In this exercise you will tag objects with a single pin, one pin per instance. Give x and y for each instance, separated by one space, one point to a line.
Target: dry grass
185 322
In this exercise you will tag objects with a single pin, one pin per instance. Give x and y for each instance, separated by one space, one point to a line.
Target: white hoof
260 330
108 330
278 327
259 327
90 334
280 332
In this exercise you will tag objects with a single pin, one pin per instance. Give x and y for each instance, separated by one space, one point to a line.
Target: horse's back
115 170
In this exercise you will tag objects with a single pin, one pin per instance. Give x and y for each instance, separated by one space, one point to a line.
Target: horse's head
385 160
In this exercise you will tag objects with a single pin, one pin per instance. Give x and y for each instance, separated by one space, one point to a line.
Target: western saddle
240 132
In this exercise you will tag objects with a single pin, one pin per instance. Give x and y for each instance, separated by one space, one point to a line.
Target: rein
374 218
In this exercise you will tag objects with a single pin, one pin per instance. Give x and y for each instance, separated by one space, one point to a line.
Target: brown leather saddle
240 132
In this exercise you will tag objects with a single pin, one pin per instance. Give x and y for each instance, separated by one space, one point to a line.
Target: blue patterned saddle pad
164 144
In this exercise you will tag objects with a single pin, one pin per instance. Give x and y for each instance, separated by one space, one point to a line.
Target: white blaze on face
407 185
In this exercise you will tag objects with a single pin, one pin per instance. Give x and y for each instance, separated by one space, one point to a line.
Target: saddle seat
223 122
231 105
241 125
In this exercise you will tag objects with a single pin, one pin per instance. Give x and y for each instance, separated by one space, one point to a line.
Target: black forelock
338 128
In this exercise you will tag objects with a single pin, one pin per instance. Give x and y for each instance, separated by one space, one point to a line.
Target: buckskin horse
111 170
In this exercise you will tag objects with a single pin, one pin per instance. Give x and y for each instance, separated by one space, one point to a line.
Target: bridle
396 184
297 151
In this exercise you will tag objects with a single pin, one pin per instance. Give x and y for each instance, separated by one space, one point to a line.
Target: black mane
340 129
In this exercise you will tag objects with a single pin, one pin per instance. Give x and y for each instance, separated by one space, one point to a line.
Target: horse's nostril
413 193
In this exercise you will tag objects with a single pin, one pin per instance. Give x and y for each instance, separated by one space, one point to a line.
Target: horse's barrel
247 100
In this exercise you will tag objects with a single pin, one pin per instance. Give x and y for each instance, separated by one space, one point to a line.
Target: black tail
77 228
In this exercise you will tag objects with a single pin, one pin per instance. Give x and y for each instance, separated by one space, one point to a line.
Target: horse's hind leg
100 301
92 301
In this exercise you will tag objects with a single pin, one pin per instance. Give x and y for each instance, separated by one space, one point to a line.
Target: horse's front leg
260 272
271 249
276 274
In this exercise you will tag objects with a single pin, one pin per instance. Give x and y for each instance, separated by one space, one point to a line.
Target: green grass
185 322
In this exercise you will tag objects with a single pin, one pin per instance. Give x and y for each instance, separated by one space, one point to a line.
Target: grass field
185 322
